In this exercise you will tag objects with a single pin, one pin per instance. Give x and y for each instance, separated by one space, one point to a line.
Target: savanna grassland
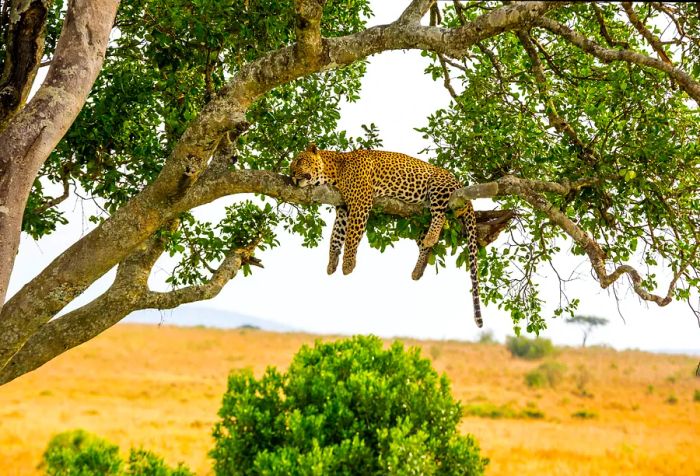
609 413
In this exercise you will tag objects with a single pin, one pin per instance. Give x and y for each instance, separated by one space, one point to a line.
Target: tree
579 118
587 324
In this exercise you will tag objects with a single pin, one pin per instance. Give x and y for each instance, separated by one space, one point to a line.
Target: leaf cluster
78 453
347 407
628 129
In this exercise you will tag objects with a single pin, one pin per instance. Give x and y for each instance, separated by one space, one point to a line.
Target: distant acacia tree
587 323
580 117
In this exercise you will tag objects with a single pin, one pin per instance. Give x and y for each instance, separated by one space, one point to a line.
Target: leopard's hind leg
422 263
423 256
441 187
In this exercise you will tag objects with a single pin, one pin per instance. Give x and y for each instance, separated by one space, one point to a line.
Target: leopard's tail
469 222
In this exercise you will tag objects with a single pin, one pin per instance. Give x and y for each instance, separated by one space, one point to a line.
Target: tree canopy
579 118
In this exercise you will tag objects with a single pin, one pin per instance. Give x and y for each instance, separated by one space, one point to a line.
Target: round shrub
344 408
79 453
530 349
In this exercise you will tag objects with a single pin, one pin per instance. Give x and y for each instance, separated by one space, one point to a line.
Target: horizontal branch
514 186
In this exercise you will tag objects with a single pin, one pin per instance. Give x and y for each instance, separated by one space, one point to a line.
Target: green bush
529 349
78 453
585 414
344 408
491 410
548 374
696 396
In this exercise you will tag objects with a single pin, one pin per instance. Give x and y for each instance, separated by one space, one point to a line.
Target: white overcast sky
379 297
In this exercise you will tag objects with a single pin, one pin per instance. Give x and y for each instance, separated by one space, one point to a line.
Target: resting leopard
362 175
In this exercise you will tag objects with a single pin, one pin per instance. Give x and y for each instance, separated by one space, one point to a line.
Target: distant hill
191 316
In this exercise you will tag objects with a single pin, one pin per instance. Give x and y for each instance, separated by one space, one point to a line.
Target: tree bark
32 134
24 49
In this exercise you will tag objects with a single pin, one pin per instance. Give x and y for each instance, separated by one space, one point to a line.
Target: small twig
55 201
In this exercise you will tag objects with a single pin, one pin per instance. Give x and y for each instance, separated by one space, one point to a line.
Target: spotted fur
361 176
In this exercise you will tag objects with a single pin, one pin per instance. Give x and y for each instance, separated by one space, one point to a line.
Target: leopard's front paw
332 263
348 266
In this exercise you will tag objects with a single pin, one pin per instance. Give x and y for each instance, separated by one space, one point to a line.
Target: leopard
365 174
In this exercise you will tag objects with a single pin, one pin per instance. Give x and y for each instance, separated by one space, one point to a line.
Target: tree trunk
32 134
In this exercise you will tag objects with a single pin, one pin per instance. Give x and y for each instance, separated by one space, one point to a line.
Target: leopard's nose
307 176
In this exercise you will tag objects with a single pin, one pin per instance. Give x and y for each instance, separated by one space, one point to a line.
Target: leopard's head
307 168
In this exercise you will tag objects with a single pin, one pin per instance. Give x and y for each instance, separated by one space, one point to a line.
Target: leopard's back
401 176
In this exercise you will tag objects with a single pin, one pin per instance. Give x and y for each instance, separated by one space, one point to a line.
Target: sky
379 297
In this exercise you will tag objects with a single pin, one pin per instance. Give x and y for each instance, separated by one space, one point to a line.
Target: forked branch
127 294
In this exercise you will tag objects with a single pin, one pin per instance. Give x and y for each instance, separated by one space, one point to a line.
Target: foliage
493 411
548 374
529 349
347 407
696 396
585 414
629 129
78 453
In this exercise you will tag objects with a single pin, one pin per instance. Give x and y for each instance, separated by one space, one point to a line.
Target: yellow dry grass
160 388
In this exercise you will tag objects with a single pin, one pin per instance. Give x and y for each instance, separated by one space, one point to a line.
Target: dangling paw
332 262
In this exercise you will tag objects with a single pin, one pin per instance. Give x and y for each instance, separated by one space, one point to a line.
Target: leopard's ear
312 148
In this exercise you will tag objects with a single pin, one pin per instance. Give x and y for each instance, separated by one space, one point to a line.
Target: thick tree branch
308 28
415 11
128 293
88 321
686 82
